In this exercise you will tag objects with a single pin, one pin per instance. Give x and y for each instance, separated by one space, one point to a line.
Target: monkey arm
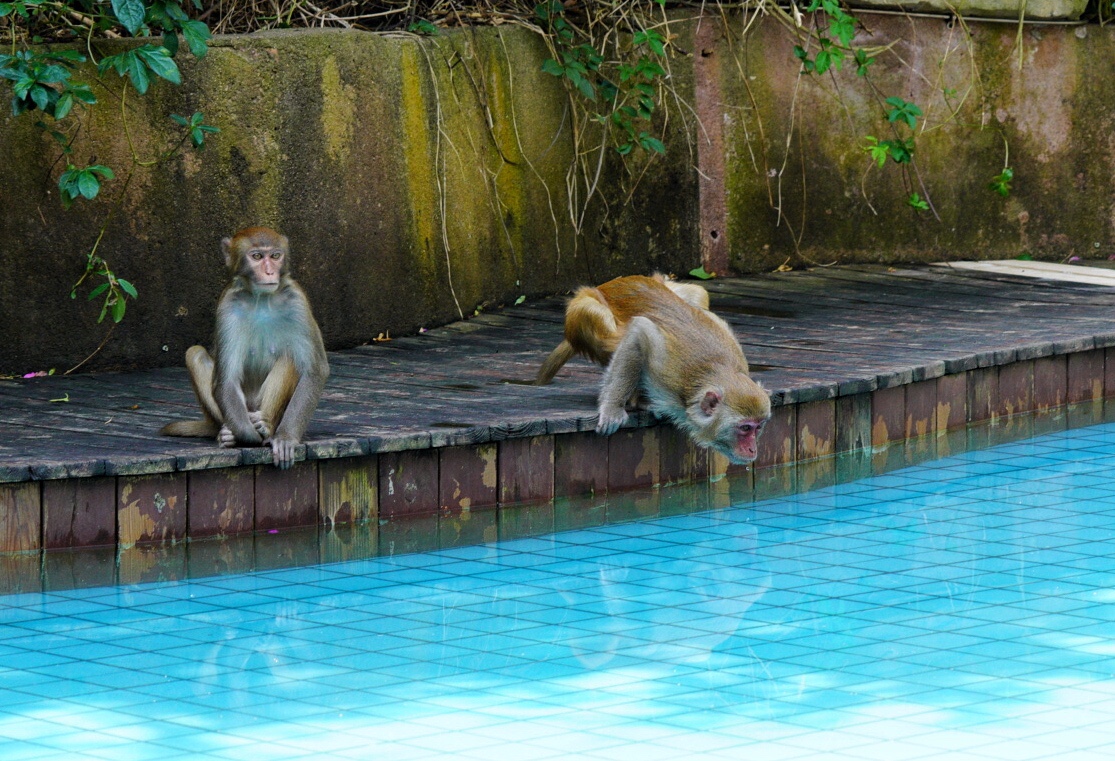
296 418
642 344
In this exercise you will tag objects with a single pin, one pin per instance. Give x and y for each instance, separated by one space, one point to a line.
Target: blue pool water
963 609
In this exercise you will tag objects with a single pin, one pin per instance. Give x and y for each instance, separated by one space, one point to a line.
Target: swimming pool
963 608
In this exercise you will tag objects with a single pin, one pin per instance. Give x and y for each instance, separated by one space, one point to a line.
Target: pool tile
913 614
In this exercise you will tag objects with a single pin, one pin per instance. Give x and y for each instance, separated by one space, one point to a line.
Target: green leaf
23 87
876 150
1001 183
917 202
118 308
701 274
843 28
170 42
128 288
550 66
40 96
180 120
130 13
63 106
97 291
901 110
103 171
159 61
581 83
197 36
862 62
52 74
651 143
823 61
84 94
422 26
88 185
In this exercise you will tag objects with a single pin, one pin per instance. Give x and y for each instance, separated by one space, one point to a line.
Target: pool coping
449 476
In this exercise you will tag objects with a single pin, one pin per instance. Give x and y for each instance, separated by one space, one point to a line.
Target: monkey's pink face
747 440
267 265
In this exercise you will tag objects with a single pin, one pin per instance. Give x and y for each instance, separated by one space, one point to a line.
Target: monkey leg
691 293
590 326
625 372
200 366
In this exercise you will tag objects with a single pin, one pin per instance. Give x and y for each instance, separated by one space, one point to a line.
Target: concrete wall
413 175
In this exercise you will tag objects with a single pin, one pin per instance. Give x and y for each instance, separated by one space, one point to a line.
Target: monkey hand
610 420
282 451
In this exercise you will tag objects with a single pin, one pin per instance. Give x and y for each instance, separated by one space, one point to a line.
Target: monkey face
732 427
259 255
265 265
746 440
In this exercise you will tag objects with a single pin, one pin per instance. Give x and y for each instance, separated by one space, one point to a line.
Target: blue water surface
963 609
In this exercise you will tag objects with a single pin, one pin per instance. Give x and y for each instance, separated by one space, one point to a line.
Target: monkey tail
558 357
201 429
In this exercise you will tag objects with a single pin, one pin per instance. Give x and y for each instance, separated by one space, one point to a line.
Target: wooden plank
20 517
150 509
349 490
285 498
79 512
526 470
221 502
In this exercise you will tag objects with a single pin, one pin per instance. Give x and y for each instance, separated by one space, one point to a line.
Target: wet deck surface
808 335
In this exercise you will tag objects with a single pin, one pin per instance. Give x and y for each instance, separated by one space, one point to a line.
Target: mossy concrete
801 188
420 179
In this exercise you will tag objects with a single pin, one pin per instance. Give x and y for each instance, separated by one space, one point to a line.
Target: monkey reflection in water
659 338
268 367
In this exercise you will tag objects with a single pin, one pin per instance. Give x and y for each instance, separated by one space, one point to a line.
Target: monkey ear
710 402
226 249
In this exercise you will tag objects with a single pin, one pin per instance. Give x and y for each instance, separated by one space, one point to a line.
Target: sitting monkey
268 367
658 338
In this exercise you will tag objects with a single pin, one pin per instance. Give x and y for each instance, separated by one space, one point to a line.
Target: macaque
268 367
657 338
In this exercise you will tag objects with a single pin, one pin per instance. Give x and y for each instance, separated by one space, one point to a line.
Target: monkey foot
225 438
260 424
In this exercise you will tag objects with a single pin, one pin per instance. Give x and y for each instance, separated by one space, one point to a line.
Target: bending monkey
268 367
658 337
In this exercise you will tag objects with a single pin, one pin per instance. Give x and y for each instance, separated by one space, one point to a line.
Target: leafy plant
82 183
1001 183
623 93
900 110
424 27
43 81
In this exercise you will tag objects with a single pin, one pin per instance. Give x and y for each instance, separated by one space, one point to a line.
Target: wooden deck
855 357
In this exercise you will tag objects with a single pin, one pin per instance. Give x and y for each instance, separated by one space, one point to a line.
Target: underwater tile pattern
963 609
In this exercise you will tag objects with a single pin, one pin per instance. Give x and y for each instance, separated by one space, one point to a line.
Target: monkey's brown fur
683 358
